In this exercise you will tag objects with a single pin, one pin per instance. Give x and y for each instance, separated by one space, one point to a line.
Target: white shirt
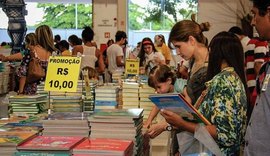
112 53
152 56
88 57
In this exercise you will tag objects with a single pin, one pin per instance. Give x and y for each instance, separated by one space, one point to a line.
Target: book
38 153
176 103
105 146
13 138
50 143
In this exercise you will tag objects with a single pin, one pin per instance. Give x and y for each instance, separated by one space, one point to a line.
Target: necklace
196 66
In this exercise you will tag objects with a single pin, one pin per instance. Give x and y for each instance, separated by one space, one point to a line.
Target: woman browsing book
225 102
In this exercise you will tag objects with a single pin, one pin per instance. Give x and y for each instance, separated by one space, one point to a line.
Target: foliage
135 16
62 16
169 12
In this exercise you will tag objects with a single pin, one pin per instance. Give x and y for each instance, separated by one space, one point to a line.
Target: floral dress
225 106
29 88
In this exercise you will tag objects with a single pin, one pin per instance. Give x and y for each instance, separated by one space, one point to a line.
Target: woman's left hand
172 118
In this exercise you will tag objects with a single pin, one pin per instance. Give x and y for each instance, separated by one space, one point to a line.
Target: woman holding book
225 100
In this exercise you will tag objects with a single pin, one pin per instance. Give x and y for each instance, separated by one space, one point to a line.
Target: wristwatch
169 127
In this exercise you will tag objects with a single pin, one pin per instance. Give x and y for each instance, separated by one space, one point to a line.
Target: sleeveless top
88 57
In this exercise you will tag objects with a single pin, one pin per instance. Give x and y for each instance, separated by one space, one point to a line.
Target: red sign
107 35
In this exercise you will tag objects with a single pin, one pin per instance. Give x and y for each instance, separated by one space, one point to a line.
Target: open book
176 103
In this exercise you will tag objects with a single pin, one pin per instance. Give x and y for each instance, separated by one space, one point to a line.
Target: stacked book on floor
66 124
145 103
119 124
107 97
130 95
26 104
104 146
49 145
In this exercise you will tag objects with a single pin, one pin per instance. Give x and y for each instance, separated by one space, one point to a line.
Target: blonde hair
45 38
185 28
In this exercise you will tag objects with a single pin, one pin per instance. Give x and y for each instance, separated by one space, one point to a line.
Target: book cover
177 104
13 138
105 145
41 154
61 143
118 113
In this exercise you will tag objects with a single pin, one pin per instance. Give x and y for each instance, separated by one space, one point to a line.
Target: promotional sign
132 66
62 74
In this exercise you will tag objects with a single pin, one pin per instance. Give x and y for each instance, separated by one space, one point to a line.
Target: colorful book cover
104 145
118 113
61 143
15 137
41 154
177 104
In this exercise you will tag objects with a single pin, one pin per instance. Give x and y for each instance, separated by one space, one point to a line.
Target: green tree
164 13
63 15
136 16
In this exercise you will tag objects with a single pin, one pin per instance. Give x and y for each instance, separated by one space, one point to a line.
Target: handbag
35 70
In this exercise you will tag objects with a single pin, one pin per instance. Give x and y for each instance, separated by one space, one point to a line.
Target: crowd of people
224 80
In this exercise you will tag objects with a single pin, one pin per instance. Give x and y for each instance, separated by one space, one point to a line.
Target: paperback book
177 104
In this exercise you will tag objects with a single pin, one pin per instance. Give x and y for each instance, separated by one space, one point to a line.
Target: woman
41 45
161 46
149 56
74 40
225 102
89 51
190 43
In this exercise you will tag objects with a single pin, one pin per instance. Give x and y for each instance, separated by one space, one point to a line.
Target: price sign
62 74
132 66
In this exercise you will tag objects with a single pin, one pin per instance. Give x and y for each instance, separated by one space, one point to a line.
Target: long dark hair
226 46
141 55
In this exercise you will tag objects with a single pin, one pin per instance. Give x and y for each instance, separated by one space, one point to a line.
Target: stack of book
4 77
66 102
9 141
117 76
50 144
130 95
88 95
145 103
66 124
40 89
119 124
26 104
107 97
101 147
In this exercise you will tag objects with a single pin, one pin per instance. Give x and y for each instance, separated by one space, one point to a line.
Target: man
257 137
255 51
115 53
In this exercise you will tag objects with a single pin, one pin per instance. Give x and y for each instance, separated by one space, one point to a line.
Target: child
164 80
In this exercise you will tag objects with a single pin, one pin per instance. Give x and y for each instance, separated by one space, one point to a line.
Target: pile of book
119 124
130 95
4 77
49 145
26 104
104 146
10 139
145 103
107 97
66 124
88 95
66 102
